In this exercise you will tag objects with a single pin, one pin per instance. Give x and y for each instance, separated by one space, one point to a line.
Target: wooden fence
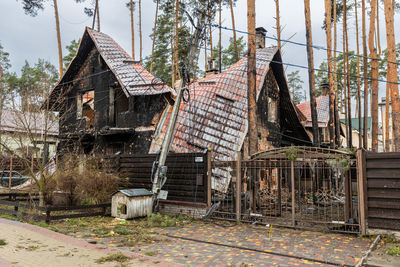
187 174
35 212
379 175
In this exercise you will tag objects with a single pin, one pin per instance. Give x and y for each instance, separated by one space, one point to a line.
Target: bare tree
358 109
278 23
131 7
348 98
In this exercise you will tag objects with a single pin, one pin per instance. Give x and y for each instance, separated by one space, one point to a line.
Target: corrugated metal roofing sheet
216 116
135 192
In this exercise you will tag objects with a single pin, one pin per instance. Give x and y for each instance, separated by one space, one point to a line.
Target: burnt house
216 116
107 103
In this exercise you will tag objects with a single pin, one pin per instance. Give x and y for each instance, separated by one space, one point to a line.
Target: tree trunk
234 31
337 120
176 60
154 37
392 73
211 39
132 32
387 105
375 76
350 137
140 31
251 74
365 75
220 38
358 110
328 17
278 23
311 74
98 15
60 57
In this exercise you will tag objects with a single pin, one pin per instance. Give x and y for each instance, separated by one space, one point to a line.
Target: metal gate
303 187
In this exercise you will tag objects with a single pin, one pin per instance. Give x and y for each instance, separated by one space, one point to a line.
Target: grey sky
30 38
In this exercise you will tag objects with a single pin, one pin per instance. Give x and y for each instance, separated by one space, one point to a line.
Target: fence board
383 190
187 179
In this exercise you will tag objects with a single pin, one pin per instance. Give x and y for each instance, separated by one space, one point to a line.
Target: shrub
88 185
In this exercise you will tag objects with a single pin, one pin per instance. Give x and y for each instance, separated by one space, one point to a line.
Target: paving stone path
30 245
225 244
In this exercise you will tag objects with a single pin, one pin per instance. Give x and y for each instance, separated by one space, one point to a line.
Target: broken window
85 107
272 110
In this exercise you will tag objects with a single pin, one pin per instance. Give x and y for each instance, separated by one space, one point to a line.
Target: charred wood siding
383 190
187 174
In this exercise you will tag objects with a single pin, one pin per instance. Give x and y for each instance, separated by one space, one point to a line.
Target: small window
85 107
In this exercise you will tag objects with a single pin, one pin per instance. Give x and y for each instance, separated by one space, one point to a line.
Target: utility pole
251 78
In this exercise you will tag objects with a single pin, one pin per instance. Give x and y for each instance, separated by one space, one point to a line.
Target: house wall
112 109
268 124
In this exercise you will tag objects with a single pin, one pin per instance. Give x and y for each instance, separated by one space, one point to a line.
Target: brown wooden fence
381 172
187 174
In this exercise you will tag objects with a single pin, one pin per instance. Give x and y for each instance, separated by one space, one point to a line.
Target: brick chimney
260 37
211 69
325 88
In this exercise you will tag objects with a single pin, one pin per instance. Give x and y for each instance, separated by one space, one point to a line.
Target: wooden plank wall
383 190
187 174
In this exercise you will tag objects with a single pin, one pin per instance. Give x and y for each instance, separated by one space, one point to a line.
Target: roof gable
132 76
322 111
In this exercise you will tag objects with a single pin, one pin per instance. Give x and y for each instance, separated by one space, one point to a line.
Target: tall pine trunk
392 73
278 23
337 126
154 37
328 17
251 74
375 76
60 57
348 99
311 74
234 31
98 15
220 37
132 31
358 79
176 60
140 31
365 75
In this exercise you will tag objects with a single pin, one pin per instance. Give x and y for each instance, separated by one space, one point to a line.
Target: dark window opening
122 209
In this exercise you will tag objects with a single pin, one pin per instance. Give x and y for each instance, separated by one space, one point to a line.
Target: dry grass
118 257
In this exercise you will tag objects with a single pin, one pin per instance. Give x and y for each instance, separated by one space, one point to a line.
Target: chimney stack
325 88
260 37
211 69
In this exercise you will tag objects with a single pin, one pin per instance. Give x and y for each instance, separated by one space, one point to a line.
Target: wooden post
293 192
48 218
362 193
238 185
348 197
209 174
11 170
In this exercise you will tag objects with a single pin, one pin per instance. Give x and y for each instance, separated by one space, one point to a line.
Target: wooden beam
238 185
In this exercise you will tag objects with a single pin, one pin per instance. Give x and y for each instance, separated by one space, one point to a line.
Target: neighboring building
323 118
216 116
27 134
107 102
356 132
382 107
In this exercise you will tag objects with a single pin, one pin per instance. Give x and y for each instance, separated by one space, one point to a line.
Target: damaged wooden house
107 103
216 116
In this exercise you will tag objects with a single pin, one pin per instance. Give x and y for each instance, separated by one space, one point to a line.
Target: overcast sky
30 38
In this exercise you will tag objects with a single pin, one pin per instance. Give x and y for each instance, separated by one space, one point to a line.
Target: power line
303 44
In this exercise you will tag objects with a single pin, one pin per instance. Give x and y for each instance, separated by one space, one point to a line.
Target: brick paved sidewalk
30 245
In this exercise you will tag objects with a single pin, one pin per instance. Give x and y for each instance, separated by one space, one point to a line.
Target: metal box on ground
131 203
